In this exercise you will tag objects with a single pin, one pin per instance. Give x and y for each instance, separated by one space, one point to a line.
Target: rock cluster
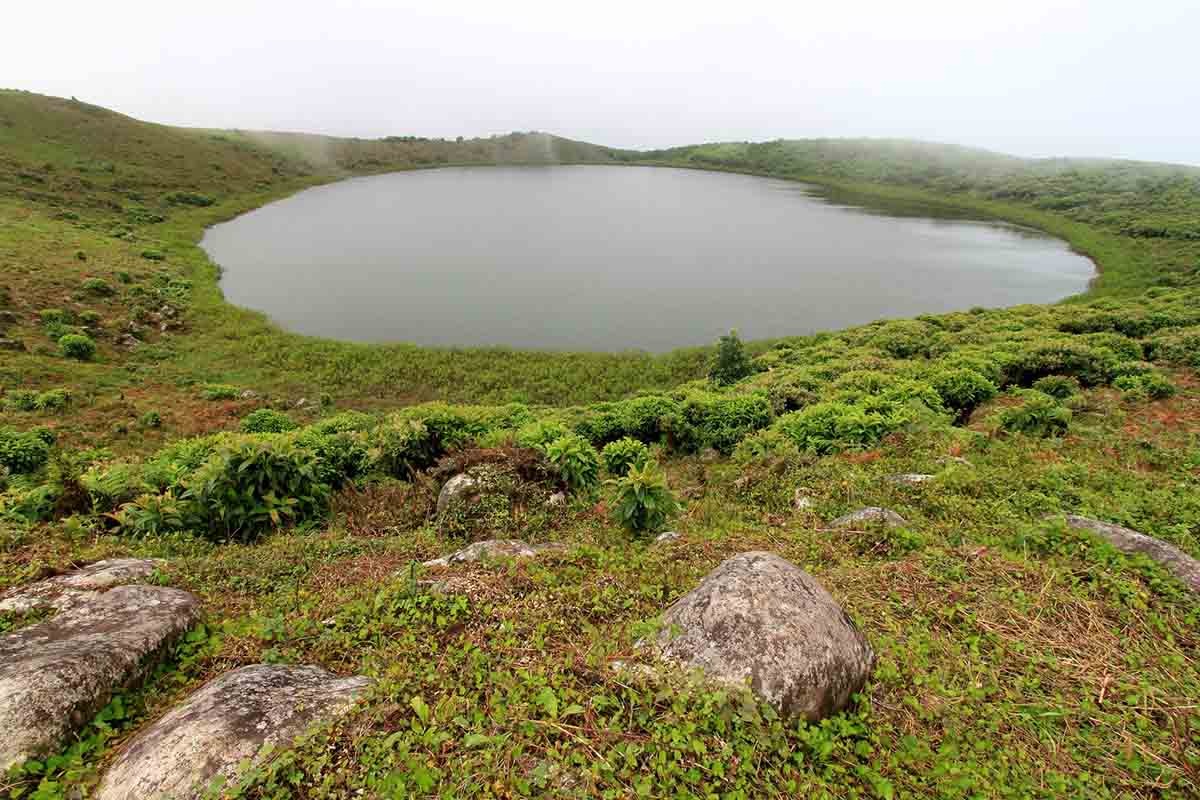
1174 560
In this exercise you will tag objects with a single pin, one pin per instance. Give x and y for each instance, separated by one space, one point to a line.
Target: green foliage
624 454
267 420
342 456
539 435
189 199
576 461
23 451
52 401
962 389
1057 386
765 446
642 501
718 421
77 346
1038 414
98 287
404 446
154 255
731 362
1150 386
833 426
220 391
154 515
151 419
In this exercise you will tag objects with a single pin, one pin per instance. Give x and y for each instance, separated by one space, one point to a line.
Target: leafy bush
832 426
77 346
53 316
153 515
220 391
1150 386
1038 414
962 389
1181 348
98 286
763 446
248 487
1058 386
731 362
23 451
20 400
539 435
647 419
403 447
719 421
642 501
151 419
154 255
267 420
576 461
341 456
1093 366
189 199
904 338
624 454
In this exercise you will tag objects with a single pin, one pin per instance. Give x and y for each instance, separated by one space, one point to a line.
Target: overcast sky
1032 77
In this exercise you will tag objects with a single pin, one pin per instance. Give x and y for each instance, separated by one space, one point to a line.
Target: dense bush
52 401
731 363
1038 414
219 391
341 456
24 451
189 199
98 286
719 421
1092 366
962 389
1181 348
765 445
624 454
77 346
403 447
267 420
904 338
647 419
642 501
829 427
539 435
576 461
1058 386
1150 386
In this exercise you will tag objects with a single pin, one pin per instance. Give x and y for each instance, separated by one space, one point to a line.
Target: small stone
9 318
667 536
1178 563
248 394
872 515
910 478
81 586
490 550
709 455
455 490
760 620
223 727
800 499
127 341
556 500
12 345
959 460
56 674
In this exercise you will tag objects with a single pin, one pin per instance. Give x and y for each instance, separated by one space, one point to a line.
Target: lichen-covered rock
458 488
666 536
910 478
1174 560
54 675
759 619
492 549
81 586
800 499
872 515
13 345
223 726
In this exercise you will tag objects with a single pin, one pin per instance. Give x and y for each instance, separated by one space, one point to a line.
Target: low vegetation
293 484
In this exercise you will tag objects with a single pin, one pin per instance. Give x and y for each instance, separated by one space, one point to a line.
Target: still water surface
610 258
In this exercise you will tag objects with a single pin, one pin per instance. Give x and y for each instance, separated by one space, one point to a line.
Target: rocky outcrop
1174 560
870 516
224 726
760 620
492 549
909 478
54 675
81 586
455 490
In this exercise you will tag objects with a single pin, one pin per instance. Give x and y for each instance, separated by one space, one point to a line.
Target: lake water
612 258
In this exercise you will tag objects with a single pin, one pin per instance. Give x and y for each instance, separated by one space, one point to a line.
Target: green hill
292 485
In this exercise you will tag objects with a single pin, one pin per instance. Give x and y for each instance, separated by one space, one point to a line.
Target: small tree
731 363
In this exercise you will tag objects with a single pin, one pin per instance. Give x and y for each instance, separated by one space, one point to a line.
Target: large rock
223 727
56 674
759 619
81 586
458 488
1174 560
870 516
490 550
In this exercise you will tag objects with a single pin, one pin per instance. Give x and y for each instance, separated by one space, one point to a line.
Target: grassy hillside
1017 657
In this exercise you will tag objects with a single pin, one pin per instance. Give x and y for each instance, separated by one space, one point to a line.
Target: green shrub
341 456
576 461
642 501
154 515
220 391
763 446
449 426
1038 414
1092 366
539 435
962 389
189 199
77 346
830 427
98 286
404 446
1181 348
23 451
89 318
731 362
53 316
248 487
1150 386
20 400
267 420
151 419
904 339
624 454
719 421
153 255
345 422
1057 386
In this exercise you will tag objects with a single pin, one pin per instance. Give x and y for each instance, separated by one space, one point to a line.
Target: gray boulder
81 586
866 517
54 675
223 726
12 345
759 619
909 478
1174 560
490 550
666 536
458 488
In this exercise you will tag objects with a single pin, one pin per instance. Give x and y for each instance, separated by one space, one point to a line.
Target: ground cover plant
293 485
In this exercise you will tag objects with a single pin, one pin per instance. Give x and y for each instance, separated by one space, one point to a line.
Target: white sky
1032 77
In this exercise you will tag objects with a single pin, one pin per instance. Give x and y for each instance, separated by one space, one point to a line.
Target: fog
1030 77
